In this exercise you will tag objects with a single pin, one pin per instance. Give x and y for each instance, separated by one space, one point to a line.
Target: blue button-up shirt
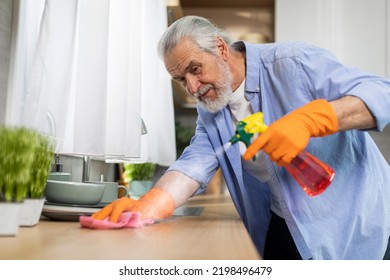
351 219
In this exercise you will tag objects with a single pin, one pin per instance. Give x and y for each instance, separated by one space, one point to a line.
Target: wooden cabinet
242 19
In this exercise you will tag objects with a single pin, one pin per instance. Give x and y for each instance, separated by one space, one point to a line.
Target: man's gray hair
197 29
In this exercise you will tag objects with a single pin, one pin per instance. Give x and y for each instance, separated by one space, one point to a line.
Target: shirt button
257 88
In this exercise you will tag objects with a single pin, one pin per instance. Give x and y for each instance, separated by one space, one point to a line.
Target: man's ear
223 49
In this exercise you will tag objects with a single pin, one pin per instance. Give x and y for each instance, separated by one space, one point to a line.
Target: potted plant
16 159
39 173
183 137
140 178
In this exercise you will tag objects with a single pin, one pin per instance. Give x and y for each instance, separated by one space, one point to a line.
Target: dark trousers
387 254
279 244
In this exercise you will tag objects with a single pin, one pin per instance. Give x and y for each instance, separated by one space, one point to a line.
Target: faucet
86 167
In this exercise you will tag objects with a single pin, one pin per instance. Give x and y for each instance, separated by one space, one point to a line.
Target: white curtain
94 75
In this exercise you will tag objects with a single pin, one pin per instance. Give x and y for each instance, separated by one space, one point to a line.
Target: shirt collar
252 69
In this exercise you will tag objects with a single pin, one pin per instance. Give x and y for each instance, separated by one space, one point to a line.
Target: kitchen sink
187 211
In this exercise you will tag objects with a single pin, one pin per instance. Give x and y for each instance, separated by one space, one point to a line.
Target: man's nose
192 84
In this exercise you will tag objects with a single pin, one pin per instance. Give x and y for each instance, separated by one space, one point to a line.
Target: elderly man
312 102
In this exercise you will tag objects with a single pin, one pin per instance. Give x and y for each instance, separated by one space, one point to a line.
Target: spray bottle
312 175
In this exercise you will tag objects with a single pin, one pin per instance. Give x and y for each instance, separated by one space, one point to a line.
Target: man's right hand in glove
287 137
172 190
156 204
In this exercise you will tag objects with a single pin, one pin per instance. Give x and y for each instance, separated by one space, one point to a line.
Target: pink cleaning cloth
126 220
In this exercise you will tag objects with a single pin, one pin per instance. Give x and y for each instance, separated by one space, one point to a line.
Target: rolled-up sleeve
330 79
198 161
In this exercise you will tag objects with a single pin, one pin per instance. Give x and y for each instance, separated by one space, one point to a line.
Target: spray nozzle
241 134
248 127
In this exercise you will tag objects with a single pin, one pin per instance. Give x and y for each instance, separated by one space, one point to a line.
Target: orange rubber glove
156 204
287 137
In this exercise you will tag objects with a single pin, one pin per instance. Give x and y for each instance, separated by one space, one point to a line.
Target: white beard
222 89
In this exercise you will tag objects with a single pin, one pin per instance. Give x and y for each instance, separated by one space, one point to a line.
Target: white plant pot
30 212
9 218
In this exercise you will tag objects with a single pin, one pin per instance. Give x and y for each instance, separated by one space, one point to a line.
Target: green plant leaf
140 171
25 157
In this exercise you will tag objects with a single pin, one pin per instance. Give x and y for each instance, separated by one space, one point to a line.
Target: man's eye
195 70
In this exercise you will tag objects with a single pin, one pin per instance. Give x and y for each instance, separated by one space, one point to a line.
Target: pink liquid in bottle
313 175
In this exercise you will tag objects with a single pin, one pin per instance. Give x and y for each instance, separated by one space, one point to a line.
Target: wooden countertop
216 234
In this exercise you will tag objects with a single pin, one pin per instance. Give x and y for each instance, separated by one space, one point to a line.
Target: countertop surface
213 231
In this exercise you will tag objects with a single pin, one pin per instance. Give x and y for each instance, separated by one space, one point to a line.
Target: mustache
202 91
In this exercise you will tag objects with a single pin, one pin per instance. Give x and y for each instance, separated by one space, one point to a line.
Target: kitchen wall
356 31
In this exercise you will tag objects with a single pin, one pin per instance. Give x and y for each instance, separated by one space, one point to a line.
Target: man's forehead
182 56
